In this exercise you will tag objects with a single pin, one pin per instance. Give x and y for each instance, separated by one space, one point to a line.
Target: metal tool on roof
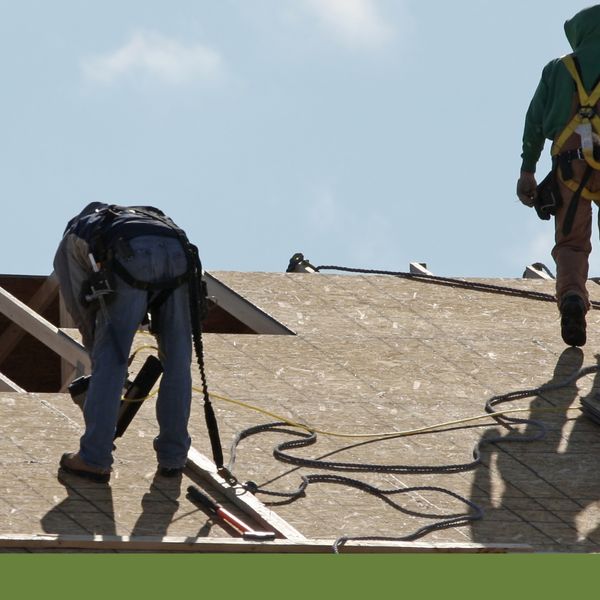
136 393
216 509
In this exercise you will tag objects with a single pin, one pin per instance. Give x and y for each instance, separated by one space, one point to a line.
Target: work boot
572 323
72 463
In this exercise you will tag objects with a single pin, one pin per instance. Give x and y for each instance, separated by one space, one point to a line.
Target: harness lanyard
197 307
584 123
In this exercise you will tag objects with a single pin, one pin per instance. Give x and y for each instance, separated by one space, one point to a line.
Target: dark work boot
572 323
72 463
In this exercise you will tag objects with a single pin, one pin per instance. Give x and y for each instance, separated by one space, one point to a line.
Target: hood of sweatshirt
584 27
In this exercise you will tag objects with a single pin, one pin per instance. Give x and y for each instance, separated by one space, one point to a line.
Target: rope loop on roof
536 431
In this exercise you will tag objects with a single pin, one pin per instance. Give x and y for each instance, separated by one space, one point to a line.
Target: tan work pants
571 251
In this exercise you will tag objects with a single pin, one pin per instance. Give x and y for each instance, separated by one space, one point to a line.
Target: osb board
371 354
35 429
379 354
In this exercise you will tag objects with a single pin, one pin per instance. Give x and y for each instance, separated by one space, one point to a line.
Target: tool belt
549 199
564 160
158 291
107 250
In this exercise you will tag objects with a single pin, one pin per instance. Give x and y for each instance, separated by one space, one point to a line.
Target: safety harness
106 250
585 122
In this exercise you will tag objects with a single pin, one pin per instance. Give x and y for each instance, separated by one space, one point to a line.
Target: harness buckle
587 112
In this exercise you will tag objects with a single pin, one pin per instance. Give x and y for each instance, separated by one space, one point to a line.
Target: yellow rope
389 434
427 429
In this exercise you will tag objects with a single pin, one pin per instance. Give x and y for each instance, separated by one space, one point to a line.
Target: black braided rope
308 438
454 282
197 307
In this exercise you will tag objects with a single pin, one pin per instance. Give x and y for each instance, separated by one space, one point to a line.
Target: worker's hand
527 188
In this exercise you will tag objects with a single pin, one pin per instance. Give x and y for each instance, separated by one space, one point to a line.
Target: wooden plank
243 499
67 371
43 330
7 385
67 374
65 319
38 303
246 312
238 545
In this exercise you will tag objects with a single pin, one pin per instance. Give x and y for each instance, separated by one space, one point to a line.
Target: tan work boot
72 463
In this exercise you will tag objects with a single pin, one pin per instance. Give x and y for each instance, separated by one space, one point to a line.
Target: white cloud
153 55
354 22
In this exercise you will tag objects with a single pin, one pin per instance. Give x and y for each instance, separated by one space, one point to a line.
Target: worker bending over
114 264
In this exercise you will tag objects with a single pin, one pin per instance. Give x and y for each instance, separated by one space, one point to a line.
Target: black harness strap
572 210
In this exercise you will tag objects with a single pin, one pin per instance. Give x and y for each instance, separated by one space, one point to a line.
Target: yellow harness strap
584 123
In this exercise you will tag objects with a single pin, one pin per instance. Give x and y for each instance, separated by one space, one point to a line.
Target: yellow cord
146 347
389 434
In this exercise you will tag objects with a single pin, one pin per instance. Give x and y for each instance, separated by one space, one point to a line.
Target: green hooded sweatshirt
551 105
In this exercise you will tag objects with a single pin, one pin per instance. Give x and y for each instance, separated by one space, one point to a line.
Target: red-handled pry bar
215 508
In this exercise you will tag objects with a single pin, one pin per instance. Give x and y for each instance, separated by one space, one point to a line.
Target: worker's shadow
87 509
159 505
540 490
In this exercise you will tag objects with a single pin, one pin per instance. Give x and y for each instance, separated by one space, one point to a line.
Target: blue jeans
155 258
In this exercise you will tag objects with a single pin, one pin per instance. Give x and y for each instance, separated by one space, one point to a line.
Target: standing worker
114 264
566 109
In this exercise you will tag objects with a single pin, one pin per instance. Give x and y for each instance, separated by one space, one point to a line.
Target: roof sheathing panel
371 354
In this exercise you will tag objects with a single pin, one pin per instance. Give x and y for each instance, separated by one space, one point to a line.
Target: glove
527 188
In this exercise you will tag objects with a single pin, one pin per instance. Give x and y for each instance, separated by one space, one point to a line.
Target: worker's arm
534 136
533 131
72 271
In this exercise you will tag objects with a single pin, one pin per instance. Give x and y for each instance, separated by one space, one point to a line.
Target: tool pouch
100 283
78 389
548 199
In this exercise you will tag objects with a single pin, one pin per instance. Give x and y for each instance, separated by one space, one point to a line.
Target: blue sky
364 133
